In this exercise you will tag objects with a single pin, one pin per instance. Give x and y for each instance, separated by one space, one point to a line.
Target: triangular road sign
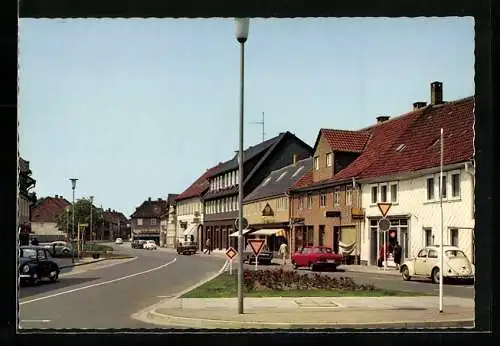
384 208
256 245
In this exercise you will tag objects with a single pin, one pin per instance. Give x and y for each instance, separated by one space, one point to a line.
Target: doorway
336 238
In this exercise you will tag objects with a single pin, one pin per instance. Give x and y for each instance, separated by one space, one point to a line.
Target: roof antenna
261 123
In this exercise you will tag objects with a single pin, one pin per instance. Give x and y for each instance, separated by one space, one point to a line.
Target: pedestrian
396 252
207 246
283 251
34 241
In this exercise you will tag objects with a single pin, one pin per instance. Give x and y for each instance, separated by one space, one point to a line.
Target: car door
421 262
432 261
299 258
43 267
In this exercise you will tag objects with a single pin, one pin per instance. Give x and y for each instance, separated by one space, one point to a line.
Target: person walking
283 251
207 246
396 252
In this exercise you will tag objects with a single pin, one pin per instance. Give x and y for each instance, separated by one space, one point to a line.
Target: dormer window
281 176
298 171
268 179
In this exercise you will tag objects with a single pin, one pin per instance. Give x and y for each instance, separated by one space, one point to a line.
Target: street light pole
242 25
91 207
73 185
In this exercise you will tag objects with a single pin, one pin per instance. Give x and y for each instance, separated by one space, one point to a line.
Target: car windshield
28 253
325 250
455 254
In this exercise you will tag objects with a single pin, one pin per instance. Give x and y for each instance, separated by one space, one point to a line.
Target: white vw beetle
149 245
456 264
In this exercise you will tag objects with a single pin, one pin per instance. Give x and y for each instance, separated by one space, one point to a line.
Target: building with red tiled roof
43 218
145 221
331 201
115 225
189 210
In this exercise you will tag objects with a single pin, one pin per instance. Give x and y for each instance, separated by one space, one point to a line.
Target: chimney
419 104
382 119
159 199
109 209
295 159
436 93
149 199
56 196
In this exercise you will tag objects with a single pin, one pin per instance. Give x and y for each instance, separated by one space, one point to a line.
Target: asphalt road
107 296
395 282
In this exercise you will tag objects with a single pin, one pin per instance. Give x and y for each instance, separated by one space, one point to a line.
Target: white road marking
35 321
98 284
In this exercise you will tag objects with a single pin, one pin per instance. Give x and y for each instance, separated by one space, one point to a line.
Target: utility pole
262 122
91 207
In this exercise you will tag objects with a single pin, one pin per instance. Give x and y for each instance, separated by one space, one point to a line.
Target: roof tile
346 141
197 188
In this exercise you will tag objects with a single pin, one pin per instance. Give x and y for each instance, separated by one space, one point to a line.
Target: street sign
237 223
231 253
384 224
256 245
384 208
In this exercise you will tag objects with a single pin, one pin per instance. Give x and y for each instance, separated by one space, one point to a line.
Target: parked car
426 264
187 248
119 241
316 257
149 245
265 256
137 244
35 264
59 248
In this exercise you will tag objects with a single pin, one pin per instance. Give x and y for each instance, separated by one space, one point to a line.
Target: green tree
82 215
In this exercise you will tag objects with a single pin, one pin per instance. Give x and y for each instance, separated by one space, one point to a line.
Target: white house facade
415 211
189 219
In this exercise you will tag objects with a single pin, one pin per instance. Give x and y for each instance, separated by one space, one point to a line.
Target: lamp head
73 182
242 26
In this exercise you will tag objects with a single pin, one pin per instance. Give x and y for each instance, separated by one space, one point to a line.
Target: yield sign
384 208
256 245
231 253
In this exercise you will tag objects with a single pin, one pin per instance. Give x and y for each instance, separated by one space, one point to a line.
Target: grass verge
225 286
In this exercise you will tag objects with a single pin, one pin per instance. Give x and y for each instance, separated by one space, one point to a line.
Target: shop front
399 232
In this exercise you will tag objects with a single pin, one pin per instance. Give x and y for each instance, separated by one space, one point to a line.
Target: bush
93 247
280 280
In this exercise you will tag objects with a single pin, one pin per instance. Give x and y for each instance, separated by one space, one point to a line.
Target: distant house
189 207
168 222
26 200
220 202
43 218
115 225
145 221
267 207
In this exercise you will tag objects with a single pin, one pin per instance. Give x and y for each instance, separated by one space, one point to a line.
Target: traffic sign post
231 254
256 245
384 224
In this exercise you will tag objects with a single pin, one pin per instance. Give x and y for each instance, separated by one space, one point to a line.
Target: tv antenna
261 123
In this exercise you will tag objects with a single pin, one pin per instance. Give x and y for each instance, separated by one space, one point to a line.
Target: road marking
98 284
35 321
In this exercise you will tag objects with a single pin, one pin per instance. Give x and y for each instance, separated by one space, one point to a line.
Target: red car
316 257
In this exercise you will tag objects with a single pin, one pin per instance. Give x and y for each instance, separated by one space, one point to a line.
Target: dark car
316 257
35 264
137 244
265 256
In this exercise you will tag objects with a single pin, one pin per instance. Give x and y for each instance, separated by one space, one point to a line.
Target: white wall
412 200
45 228
185 213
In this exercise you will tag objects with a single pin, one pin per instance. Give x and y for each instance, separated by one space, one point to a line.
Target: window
428 236
383 193
430 189
152 222
455 185
432 254
454 236
348 195
394 193
336 197
301 202
139 222
235 203
329 160
322 200
443 187
374 194
237 176
309 201
422 253
316 163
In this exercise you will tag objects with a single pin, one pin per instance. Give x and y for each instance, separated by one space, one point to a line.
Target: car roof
445 247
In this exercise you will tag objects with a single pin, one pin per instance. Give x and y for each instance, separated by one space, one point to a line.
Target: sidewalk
309 312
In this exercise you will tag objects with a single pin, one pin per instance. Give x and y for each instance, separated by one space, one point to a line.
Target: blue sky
139 108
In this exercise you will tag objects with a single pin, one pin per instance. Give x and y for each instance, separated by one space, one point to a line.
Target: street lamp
73 185
67 220
242 26
91 207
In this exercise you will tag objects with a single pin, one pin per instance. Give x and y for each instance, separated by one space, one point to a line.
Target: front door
421 262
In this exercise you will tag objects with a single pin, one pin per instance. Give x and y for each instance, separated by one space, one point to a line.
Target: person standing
283 251
396 252
207 246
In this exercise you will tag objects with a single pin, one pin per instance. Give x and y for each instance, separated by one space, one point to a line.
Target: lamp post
242 26
73 185
91 207
67 220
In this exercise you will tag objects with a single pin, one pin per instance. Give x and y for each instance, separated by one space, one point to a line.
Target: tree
82 215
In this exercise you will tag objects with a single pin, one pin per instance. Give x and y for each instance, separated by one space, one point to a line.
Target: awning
191 229
235 234
270 231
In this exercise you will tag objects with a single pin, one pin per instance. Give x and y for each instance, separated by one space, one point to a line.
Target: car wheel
65 252
405 273
311 266
35 280
54 277
435 275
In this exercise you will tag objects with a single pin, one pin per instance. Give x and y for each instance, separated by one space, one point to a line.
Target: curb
221 324
93 261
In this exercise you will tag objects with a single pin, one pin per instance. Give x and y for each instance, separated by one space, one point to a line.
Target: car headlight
26 268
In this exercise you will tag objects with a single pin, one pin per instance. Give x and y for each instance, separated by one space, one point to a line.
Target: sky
138 108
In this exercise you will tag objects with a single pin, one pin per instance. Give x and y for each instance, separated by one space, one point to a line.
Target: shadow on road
47 286
449 282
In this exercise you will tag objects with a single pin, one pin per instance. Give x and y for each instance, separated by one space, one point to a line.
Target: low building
26 200
267 207
115 225
168 222
43 219
221 200
145 221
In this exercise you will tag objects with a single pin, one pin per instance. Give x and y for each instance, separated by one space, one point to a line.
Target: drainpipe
358 231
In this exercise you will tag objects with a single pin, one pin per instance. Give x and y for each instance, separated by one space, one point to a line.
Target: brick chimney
419 104
149 199
56 196
382 119
436 93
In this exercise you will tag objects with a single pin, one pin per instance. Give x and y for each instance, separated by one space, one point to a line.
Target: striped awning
279 232
191 229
